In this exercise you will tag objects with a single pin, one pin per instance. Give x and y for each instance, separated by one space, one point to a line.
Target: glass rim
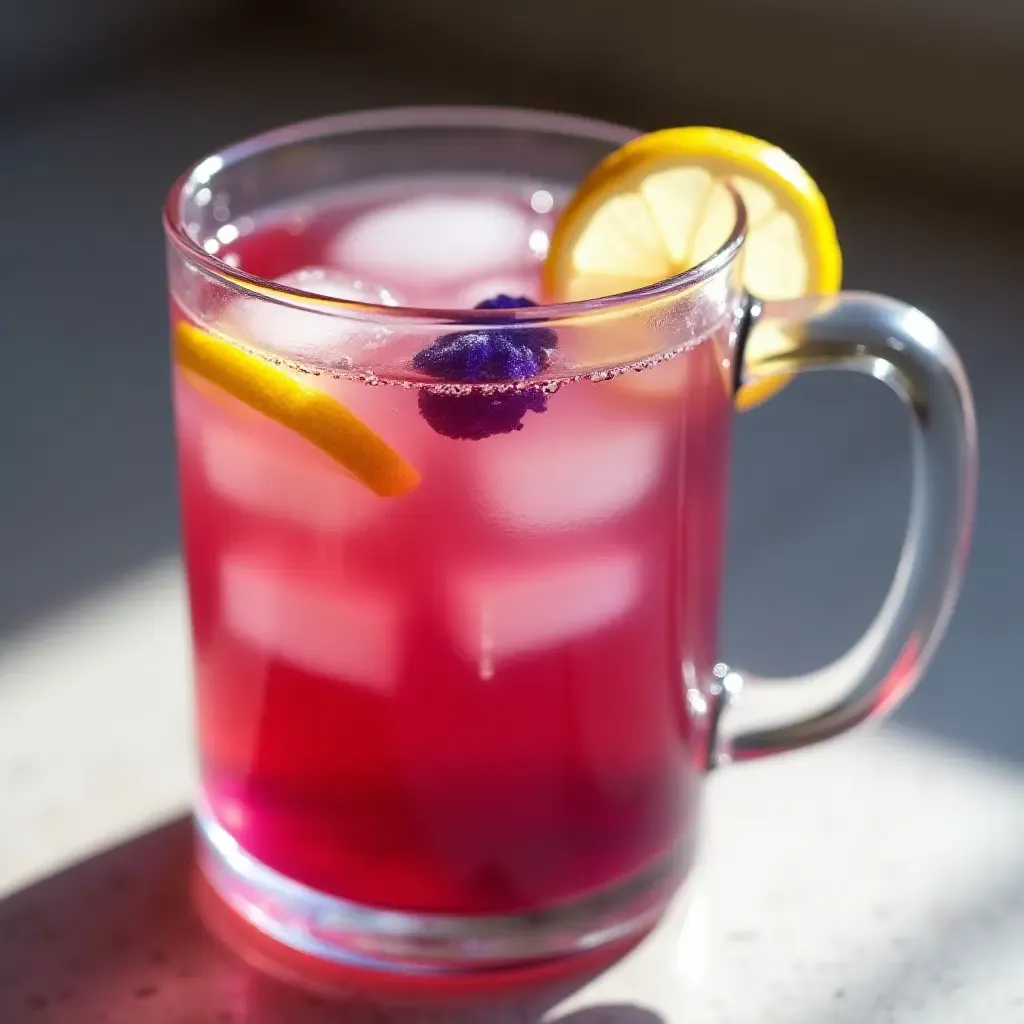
202 171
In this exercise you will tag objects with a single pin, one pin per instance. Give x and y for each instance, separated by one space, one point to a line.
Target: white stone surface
879 878
94 724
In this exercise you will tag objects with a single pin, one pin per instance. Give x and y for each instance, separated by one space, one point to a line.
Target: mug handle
903 348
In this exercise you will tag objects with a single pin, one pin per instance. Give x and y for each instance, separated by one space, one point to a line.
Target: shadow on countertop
116 940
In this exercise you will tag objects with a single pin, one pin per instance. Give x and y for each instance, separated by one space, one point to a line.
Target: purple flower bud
505 352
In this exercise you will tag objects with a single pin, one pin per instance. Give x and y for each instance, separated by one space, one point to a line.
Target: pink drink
469 699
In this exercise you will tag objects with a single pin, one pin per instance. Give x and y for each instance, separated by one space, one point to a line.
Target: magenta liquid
470 699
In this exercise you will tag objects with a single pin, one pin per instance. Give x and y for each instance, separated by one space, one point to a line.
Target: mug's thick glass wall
464 723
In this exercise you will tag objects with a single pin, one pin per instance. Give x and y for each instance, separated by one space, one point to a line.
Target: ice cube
435 239
597 471
322 338
284 478
312 618
508 610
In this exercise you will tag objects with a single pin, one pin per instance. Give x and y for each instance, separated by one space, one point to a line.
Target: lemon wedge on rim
660 205
313 414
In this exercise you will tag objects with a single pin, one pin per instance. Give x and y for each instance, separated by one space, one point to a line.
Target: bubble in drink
323 338
311 618
433 240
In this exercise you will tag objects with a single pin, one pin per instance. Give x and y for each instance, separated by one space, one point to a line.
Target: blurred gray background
906 111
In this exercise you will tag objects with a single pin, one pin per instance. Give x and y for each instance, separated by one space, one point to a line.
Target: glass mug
461 722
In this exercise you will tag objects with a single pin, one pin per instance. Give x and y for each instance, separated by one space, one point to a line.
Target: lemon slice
313 414
660 205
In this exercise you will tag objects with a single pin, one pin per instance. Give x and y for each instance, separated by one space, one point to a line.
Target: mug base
289 927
